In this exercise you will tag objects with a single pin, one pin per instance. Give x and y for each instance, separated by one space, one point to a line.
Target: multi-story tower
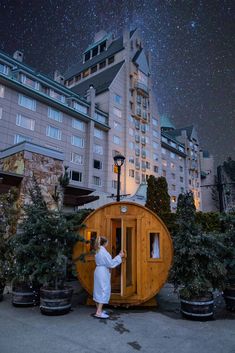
119 70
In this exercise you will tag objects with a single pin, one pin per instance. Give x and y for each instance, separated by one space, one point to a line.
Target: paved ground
25 330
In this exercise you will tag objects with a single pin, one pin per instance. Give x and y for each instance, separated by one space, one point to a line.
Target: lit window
21 138
25 122
117 99
98 149
27 102
173 199
98 133
80 108
116 140
85 73
56 95
172 165
54 114
77 141
2 90
53 132
117 112
96 180
76 158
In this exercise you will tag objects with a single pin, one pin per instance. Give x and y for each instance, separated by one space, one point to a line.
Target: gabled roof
115 47
100 82
141 61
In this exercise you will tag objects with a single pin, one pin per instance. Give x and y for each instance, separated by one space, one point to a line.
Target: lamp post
118 161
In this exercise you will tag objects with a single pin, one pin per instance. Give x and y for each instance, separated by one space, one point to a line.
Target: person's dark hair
100 241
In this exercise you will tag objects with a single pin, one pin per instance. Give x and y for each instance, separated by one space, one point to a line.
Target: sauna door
128 270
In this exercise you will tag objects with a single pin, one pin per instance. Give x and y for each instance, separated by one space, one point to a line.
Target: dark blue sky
192 44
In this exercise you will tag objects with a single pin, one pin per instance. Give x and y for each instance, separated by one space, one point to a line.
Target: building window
182 190
117 126
131 173
4 69
78 124
96 180
95 51
21 138
76 176
143 128
78 78
85 73
173 199
172 165
114 184
147 165
102 64
137 151
155 133
173 175
56 95
25 122
155 169
181 168
131 160
27 81
111 60
93 69
2 90
190 182
172 155
98 133
163 150
117 112
154 121
164 163
98 149
102 47
101 118
53 132
155 156
181 179
77 141
76 158
54 114
155 145
117 99
131 145
87 56
143 178
80 108
164 173
97 164
27 102
173 187
116 140
131 132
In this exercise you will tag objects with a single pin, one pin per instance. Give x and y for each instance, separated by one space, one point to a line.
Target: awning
78 196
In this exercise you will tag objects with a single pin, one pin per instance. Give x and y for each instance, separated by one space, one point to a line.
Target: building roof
177 132
115 47
100 82
166 122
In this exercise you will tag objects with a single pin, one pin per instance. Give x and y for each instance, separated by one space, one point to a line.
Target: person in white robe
102 275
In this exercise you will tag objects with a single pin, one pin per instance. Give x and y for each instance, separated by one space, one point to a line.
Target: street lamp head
119 160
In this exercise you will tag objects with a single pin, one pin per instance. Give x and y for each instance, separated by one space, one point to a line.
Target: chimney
58 77
18 55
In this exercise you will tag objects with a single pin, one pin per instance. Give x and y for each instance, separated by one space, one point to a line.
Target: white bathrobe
102 275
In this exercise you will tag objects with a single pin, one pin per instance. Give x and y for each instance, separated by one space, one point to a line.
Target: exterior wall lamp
118 161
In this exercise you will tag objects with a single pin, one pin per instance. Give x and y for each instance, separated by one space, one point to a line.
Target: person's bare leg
99 309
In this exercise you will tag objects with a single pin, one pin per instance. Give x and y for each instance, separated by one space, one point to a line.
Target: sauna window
91 238
154 245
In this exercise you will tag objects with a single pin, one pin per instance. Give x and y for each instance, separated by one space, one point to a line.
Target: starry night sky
192 44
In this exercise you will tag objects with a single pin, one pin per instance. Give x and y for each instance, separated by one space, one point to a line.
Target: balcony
142 88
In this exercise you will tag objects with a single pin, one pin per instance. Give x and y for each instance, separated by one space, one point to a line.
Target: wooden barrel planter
24 294
55 301
198 308
229 297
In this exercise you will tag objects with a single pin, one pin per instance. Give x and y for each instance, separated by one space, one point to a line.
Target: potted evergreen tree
42 249
198 267
8 220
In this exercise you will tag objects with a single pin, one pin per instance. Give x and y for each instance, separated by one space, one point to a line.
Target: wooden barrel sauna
55 301
145 239
24 294
198 308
